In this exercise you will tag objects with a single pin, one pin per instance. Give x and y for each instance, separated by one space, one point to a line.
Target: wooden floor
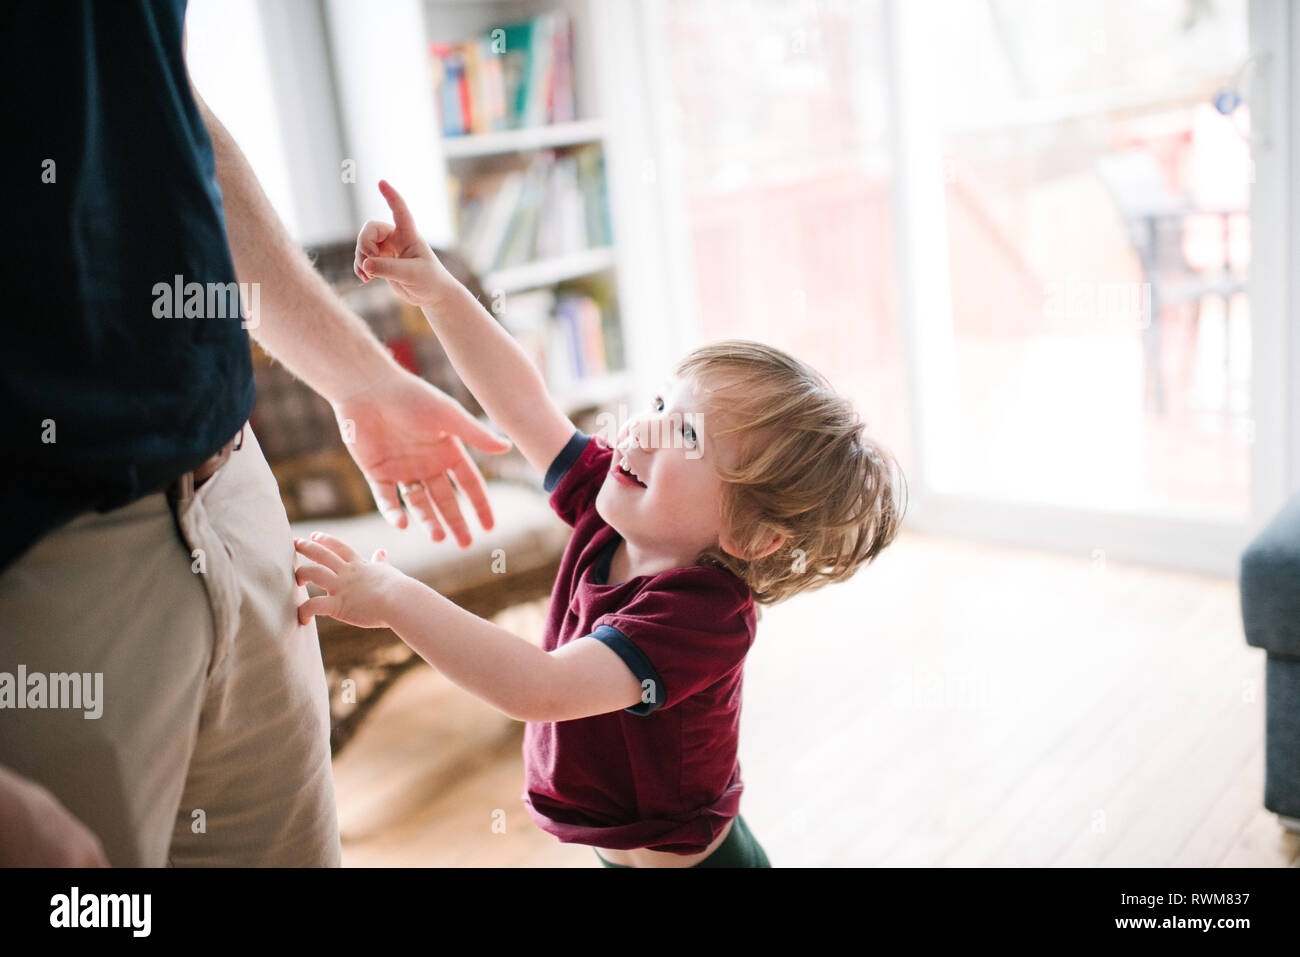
955 705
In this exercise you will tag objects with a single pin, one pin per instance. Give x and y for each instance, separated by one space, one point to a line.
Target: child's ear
728 545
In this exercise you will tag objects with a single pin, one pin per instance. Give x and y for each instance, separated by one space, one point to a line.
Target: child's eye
688 433
658 404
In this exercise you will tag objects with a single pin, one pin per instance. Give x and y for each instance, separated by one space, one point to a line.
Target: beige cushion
526 534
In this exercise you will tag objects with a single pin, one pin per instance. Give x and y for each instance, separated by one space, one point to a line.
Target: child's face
670 448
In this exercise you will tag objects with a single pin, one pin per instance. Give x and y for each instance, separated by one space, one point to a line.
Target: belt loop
180 490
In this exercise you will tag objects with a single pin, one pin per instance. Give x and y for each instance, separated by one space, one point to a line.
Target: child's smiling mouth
620 468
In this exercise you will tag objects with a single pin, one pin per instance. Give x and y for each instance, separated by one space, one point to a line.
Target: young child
745 480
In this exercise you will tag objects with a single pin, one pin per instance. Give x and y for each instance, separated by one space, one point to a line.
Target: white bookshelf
393 130
550 272
466 156
473 146
599 390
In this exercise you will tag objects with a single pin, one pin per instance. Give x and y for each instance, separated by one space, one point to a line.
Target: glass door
1044 245
1077 189
774 138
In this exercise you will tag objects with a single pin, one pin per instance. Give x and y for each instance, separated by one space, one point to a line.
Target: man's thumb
477 434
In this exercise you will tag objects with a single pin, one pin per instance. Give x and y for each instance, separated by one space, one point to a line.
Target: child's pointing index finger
402 217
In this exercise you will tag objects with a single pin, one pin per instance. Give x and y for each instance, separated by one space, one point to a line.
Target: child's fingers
373 234
399 270
317 575
337 546
356 266
369 243
326 605
371 239
319 554
402 217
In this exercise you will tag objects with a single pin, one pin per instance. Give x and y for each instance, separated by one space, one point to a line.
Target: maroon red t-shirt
663 774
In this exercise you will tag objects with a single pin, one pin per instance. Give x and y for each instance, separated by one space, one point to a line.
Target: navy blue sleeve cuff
652 692
564 461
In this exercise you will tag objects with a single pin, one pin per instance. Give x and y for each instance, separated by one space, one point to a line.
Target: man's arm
398 428
302 323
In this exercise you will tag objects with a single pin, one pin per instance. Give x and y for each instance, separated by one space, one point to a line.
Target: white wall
264 69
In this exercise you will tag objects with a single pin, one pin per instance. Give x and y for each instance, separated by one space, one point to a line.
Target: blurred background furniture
1270 611
1154 217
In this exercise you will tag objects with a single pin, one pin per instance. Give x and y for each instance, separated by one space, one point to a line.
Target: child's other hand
358 592
397 252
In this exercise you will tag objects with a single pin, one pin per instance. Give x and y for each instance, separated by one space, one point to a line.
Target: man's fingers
389 502
444 496
422 506
319 554
402 217
470 481
317 575
398 270
322 605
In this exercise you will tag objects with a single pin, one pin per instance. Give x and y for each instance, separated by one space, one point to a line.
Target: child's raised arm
486 357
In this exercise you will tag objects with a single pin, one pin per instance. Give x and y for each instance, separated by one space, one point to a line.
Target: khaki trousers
212 748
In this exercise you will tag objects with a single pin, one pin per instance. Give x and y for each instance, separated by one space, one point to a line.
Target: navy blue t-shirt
111 191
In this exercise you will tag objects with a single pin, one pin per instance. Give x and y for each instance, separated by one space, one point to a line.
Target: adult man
143 536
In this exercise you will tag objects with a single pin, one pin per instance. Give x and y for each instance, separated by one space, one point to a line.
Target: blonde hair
806 469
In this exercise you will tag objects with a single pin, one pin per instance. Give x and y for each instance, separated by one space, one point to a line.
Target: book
493 227
521 77
449 78
553 206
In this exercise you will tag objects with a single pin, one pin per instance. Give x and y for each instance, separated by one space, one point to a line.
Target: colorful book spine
520 77
450 78
553 207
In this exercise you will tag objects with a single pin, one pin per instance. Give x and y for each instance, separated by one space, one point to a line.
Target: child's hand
358 592
398 253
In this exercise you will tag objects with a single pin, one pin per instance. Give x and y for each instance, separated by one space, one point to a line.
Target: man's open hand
403 430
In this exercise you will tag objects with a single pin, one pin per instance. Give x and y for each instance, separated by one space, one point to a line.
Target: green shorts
738 850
